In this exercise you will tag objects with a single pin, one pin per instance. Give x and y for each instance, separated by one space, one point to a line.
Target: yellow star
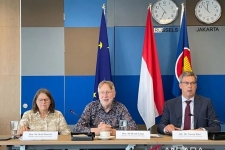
100 45
94 94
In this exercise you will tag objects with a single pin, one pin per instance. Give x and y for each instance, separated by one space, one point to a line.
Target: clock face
164 11
208 11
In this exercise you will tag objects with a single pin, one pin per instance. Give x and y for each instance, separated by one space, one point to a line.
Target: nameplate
133 134
40 135
190 134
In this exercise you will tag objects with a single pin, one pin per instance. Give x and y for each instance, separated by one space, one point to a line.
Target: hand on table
170 127
23 128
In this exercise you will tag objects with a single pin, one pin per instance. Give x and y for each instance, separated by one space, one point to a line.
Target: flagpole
150 9
150 6
182 11
103 7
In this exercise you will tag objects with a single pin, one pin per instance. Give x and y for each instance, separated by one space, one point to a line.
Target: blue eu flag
103 67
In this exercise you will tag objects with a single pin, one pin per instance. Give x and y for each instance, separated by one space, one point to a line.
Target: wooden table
167 142
64 142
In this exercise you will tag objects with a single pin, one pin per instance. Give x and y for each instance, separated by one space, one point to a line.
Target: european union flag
103 66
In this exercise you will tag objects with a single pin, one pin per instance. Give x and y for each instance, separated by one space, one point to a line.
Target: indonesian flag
150 95
183 62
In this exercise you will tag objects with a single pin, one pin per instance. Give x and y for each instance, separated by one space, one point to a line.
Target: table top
167 140
66 140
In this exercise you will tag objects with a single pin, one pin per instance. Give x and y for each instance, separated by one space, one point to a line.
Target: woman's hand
23 128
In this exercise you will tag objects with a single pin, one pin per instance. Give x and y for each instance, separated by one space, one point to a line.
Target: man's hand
170 127
104 127
201 129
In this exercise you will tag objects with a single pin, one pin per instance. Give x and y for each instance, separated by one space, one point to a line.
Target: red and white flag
150 95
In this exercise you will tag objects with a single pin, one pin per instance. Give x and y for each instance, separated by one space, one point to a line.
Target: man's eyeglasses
104 92
189 83
43 100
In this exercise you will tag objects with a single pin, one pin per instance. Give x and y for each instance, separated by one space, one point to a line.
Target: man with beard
104 114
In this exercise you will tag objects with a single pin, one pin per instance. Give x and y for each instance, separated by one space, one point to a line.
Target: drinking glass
123 125
13 128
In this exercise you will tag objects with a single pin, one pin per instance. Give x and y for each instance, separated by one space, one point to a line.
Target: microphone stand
213 135
76 136
215 121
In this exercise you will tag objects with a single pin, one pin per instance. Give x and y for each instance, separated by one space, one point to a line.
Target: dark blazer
203 108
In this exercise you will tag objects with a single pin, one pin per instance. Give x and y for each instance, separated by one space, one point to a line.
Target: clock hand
162 8
206 8
162 15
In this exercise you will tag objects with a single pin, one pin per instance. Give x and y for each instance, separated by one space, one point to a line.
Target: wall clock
164 11
208 11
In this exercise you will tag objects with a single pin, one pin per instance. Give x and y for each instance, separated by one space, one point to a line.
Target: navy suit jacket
203 108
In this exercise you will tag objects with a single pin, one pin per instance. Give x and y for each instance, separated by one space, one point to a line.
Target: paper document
80 135
155 135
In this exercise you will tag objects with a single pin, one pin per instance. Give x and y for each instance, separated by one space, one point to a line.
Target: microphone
88 123
71 111
215 121
89 134
213 135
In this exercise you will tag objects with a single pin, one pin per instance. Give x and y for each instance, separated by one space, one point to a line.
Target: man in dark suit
176 113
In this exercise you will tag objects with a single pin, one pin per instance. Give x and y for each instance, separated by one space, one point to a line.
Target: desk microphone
215 121
214 135
71 111
92 134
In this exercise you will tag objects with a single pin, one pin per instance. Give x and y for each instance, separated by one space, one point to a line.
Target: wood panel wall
9 63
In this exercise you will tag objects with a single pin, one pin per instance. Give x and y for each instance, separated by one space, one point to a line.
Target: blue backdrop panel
127 93
111 31
212 86
167 86
83 13
128 50
166 43
79 92
30 85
